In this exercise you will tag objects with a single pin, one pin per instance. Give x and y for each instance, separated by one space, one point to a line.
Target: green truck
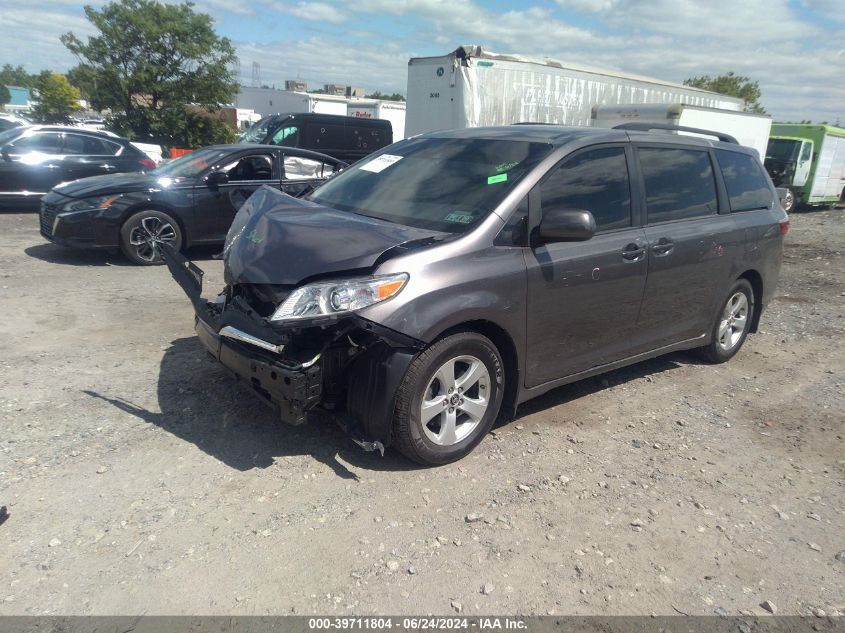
808 162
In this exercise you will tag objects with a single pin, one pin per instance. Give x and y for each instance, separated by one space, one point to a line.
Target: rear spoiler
647 127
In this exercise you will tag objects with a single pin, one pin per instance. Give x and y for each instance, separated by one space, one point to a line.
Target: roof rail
647 127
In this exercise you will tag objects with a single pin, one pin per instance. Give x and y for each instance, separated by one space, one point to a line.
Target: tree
17 76
148 56
57 99
733 85
378 95
173 127
5 95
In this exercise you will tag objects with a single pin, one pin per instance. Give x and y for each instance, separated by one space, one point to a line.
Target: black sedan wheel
142 236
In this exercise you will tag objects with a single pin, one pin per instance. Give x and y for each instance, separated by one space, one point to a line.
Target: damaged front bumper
351 367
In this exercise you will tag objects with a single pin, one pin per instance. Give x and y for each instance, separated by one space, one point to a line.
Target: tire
731 325
426 436
789 200
141 234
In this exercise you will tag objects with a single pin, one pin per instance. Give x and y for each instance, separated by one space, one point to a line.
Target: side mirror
216 178
5 153
567 225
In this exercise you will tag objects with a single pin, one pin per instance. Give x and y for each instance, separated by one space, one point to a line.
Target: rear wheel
449 399
143 234
732 324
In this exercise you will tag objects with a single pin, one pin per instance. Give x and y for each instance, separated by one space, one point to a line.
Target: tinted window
747 186
192 164
45 142
255 167
678 183
88 145
287 136
445 184
595 180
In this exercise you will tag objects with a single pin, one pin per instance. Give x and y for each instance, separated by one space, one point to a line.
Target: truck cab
808 162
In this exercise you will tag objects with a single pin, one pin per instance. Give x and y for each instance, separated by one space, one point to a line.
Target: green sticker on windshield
492 180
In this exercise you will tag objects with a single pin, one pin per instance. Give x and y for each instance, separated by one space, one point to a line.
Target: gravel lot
140 478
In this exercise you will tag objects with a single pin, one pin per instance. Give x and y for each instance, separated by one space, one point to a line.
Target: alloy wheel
734 321
147 237
455 400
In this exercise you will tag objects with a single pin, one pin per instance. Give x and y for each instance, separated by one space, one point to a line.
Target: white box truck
268 101
393 111
471 87
750 129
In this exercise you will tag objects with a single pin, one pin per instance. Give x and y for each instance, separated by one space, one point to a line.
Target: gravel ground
139 478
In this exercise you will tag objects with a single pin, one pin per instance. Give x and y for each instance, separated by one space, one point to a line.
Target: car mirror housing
5 153
216 178
566 225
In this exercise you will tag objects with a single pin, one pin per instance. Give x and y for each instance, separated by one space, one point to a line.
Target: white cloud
796 56
315 11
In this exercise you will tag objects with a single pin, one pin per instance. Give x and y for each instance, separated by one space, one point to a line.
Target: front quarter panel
466 280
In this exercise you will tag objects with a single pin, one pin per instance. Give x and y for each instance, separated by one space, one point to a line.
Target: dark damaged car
454 275
186 202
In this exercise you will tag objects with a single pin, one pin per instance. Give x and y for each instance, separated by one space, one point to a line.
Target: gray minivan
452 276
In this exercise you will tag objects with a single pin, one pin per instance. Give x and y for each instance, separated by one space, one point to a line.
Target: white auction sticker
381 163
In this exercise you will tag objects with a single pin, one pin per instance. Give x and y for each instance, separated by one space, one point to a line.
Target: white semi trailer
472 87
750 129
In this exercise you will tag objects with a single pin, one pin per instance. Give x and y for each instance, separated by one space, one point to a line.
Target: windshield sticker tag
492 180
381 163
460 218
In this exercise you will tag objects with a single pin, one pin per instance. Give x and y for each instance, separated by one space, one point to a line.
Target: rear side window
596 181
679 183
747 186
88 145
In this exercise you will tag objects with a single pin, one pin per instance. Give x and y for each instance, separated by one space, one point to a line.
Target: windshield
191 165
257 132
10 135
444 184
783 149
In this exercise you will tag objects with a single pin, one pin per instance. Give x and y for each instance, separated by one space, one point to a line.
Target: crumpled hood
277 239
110 184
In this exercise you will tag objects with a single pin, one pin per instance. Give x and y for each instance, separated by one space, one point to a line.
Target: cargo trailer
472 87
393 111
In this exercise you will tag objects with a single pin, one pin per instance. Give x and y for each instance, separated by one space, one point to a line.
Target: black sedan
191 200
35 158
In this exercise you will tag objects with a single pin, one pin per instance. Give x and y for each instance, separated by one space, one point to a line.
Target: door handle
633 252
663 247
107 166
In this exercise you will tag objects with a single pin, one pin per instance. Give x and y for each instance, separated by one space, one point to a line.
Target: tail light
784 227
147 163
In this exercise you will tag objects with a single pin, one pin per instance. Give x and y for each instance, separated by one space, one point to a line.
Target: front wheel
732 324
143 234
449 399
789 201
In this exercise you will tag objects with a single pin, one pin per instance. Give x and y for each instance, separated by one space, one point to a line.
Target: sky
795 49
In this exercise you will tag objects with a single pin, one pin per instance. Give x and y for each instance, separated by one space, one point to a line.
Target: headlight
87 204
336 297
